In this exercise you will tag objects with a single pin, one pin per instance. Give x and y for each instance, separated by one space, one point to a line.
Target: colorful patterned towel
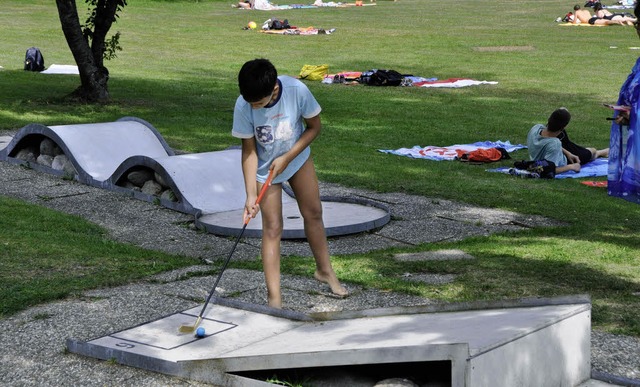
300 31
439 153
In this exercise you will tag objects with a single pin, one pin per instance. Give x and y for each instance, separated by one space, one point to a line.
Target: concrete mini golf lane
544 342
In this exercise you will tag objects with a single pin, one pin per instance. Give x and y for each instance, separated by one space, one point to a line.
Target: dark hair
597 6
256 79
558 120
636 10
576 7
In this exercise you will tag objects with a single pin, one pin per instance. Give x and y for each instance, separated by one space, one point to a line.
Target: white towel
61 69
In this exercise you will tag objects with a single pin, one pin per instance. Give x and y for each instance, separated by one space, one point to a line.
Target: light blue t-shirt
277 128
545 148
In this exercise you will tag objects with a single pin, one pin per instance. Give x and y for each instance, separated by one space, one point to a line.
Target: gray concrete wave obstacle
130 156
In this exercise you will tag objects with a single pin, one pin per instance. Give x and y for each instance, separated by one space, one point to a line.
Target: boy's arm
571 158
569 167
250 171
313 126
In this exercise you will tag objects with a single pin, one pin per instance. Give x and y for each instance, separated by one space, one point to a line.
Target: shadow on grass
532 269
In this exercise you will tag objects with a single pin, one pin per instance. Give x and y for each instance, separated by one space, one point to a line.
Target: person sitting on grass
551 143
580 15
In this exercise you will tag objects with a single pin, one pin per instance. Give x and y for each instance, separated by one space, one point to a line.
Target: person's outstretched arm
569 167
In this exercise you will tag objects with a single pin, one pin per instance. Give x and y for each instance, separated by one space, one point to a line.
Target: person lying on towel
263 5
551 142
584 16
618 17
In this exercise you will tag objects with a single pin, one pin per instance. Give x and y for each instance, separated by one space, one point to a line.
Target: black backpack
33 60
381 78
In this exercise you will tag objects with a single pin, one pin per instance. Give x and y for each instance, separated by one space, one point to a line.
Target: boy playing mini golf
277 118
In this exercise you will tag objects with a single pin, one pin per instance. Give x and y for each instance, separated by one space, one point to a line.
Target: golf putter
192 328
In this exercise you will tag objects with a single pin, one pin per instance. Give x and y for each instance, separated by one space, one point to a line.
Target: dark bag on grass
543 168
568 18
33 60
381 78
276 24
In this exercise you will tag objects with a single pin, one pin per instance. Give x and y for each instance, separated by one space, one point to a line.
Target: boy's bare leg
305 187
271 210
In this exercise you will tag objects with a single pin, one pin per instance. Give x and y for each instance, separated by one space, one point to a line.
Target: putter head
190 328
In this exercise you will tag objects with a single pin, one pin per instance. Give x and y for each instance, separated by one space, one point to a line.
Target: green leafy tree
89 44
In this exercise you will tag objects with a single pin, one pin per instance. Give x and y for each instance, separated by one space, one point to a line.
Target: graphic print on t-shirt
285 132
264 134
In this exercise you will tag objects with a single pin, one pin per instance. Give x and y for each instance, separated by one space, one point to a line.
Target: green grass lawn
178 71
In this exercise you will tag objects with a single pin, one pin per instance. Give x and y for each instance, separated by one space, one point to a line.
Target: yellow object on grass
314 72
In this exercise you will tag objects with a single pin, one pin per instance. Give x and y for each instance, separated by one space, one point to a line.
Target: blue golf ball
200 332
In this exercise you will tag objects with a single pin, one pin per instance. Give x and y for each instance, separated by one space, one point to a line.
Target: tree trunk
93 75
105 16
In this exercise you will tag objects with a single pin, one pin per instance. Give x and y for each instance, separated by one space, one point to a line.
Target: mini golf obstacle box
209 185
531 342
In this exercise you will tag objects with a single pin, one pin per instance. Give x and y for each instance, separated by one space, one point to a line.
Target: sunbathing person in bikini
584 16
604 14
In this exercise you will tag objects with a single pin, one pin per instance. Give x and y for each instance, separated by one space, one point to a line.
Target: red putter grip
265 186
262 192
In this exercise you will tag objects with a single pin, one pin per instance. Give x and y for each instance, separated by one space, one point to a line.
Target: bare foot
333 282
